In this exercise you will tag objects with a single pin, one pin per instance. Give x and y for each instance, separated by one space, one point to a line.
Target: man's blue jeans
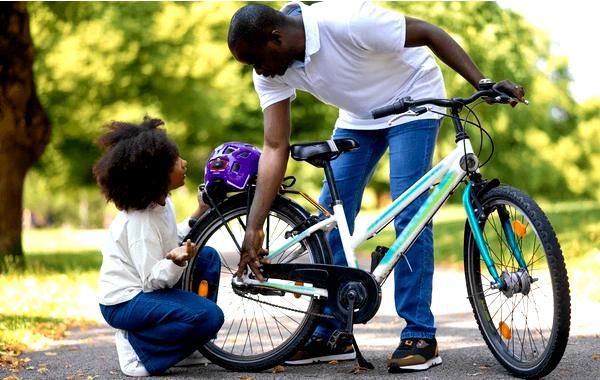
411 148
167 325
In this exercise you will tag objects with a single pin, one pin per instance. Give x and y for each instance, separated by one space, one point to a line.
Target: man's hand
252 254
511 89
181 255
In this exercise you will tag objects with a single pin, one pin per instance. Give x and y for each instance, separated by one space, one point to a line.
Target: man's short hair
252 24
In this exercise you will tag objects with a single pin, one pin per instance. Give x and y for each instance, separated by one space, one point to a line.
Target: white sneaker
128 360
196 358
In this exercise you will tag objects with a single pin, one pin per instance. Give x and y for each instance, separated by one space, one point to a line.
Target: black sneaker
316 350
414 355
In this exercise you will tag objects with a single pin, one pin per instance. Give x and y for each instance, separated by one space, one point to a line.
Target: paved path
91 354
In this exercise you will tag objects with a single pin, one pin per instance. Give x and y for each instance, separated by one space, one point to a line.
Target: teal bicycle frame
447 174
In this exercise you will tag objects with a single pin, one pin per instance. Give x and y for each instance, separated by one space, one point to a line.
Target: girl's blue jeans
167 325
411 147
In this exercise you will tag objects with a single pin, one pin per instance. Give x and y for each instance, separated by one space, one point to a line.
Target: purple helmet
230 166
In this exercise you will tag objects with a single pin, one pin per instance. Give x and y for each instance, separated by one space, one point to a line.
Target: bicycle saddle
316 153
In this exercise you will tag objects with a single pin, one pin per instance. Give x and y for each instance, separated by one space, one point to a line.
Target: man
358 57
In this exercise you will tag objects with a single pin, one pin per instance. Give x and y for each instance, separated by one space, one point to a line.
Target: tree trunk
24 127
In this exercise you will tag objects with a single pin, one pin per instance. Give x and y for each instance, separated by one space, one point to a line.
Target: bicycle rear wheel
260 330
526 325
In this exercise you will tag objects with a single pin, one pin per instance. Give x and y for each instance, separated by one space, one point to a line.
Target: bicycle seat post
335 196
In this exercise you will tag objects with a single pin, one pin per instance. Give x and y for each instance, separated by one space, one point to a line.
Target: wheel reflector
519 228
505 330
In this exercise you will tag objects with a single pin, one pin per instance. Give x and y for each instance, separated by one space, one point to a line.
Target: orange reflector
298 283
519 228
505 330
203 288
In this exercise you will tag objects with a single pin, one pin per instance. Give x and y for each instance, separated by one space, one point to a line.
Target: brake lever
411 112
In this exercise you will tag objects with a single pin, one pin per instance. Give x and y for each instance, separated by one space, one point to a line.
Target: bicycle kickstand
339 338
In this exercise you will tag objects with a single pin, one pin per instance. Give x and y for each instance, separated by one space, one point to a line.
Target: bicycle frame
447 174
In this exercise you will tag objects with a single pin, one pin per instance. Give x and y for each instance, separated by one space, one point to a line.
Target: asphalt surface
91 354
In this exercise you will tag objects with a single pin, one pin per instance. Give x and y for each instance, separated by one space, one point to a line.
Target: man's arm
421 33
271 169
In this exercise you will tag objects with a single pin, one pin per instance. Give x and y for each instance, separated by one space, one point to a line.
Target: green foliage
103 61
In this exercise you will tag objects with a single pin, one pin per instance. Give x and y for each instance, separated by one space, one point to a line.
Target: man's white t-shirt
133 254
355 59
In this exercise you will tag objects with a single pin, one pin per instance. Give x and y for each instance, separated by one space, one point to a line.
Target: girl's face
177 175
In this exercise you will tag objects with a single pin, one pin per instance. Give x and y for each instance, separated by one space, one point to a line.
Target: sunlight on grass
56 291
67 240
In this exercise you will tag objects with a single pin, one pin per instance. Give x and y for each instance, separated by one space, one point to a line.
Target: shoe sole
394 368
321 359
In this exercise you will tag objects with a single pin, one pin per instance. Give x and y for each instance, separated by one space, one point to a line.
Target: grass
57 290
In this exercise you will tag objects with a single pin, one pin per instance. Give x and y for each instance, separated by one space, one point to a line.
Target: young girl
158 326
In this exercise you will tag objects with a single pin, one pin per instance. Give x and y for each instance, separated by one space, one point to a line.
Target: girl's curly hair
134 170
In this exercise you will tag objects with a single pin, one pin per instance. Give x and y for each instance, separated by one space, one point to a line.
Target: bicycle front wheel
260 330
526 323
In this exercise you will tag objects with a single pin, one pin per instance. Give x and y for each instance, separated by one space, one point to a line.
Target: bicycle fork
475 216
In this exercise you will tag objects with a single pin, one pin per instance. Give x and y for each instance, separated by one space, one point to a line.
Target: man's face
268 60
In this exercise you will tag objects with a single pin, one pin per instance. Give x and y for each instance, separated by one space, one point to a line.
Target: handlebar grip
391 109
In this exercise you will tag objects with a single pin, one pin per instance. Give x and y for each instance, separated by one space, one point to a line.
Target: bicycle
516 278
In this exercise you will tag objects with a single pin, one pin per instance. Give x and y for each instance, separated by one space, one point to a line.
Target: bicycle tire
257 336
528 346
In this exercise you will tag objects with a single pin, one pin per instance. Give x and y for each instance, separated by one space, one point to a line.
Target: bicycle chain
287 308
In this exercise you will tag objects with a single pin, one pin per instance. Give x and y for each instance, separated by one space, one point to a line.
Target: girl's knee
207 323
215 320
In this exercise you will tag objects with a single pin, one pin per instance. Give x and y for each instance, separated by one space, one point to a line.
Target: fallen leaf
42 370
357 369
11 377
278 369
90 377
50 353
333 362
595 356
245 377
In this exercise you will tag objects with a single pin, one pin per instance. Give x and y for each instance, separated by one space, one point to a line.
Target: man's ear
276 36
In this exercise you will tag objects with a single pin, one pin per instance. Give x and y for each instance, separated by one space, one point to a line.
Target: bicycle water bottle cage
320 152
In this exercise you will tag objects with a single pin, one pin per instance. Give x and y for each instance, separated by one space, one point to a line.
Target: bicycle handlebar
405 104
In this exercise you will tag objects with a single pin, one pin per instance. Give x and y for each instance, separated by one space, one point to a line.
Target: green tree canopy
103 61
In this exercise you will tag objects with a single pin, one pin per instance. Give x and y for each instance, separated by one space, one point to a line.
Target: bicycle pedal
339 339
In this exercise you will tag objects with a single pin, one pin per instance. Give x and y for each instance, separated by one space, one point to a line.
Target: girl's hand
183 254
202 207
